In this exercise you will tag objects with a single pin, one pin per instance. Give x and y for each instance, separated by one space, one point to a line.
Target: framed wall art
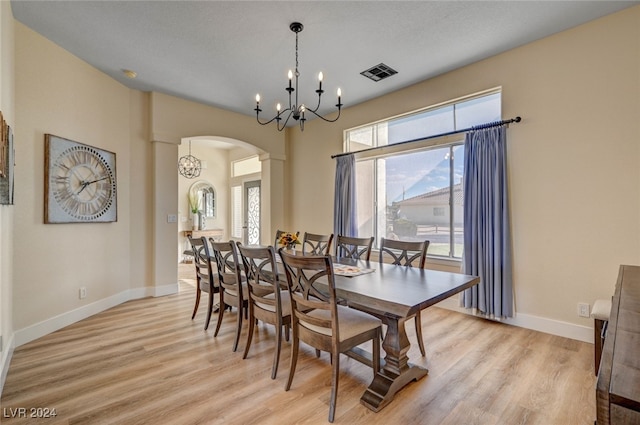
7 163
80 183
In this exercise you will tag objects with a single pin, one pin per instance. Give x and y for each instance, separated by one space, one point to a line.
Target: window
246 166
236 212
413 191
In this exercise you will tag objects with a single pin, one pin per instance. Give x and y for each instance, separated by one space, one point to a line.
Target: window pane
458 200
236 212
243 167
360 138
421 125
417 189
477 111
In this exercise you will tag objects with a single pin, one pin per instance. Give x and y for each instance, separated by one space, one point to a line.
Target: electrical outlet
172 218
583 309
83 293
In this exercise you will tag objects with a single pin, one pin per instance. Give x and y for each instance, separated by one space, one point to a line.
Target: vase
194 222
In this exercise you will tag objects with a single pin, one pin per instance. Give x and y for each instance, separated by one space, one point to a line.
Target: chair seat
601 310
230 278
285 301
234 293
204 286
351 322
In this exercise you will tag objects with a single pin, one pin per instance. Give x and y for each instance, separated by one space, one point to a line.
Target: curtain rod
475 127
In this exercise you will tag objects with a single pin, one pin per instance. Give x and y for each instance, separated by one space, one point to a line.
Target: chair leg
209 311
418 321
286 331
334 385
276 355
252 322
597 344
239 325
317 353
221 310
294 359
195 308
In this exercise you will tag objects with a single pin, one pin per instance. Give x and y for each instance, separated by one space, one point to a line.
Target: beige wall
573 160
7 107
59 94
141 197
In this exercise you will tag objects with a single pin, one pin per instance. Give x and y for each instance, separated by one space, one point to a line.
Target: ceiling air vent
379 72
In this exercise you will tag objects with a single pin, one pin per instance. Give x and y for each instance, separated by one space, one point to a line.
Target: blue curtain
344 206
487 236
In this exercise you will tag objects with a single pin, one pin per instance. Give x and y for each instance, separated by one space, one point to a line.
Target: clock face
81 183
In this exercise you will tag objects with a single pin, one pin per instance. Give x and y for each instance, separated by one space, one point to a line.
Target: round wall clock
80 182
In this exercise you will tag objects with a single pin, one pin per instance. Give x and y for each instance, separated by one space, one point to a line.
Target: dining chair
314 244
404 253
268 297
206 280
320 322
232 284
354 248
279 233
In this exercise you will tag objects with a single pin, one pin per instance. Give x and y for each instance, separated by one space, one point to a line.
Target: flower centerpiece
289 240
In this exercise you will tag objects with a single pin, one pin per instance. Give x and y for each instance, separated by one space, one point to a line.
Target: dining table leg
397 371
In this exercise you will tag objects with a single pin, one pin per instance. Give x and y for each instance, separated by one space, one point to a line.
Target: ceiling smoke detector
379 72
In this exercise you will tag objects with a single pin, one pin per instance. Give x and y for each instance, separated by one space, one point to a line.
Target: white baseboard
536 323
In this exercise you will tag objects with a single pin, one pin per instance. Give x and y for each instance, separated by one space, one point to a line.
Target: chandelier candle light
295 109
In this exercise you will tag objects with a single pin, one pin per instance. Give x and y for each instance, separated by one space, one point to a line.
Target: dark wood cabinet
618 384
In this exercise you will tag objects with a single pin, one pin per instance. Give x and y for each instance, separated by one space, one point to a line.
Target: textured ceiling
222 53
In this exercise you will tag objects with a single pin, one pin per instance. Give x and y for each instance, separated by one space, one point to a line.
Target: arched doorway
229 172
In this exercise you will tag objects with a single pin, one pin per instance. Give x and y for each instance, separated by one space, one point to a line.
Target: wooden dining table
394 293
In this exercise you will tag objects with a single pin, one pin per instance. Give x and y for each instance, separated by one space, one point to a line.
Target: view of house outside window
417 193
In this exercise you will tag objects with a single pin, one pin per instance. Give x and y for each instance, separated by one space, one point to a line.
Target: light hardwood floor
147 362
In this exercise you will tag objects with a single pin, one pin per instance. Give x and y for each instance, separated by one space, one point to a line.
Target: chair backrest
404 253
316 244
279 233
226 256
355 248
261 271
201 259
308 299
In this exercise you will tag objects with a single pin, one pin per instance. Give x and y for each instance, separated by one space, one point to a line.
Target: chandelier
189 166
296 110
